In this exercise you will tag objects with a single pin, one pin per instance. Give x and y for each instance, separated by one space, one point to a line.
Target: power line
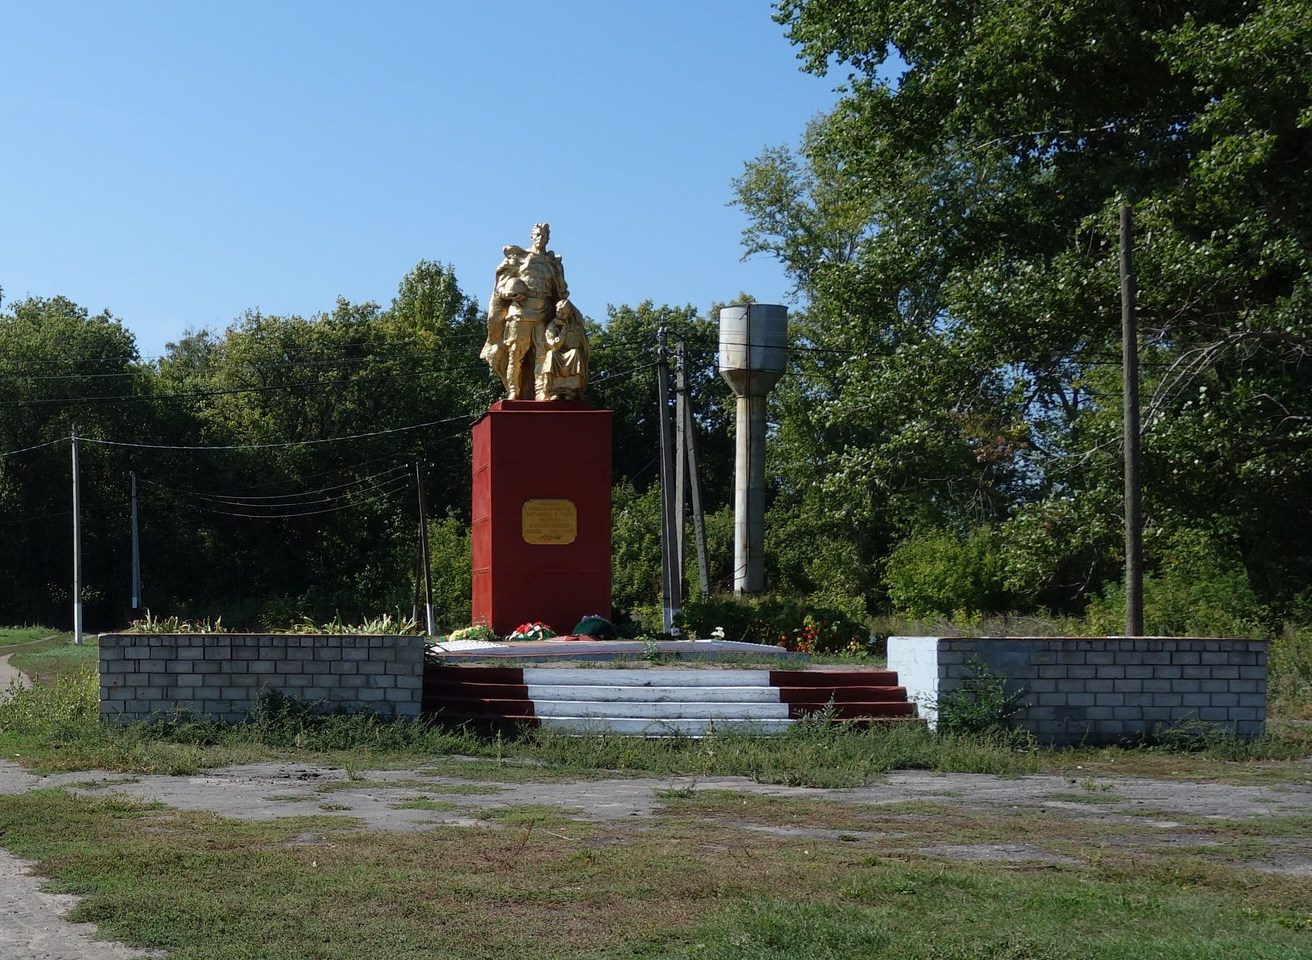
290 443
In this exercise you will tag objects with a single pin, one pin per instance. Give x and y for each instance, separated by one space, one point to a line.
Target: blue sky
181 162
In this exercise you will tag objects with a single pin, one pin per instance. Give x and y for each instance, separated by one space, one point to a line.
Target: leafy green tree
951 226
63 368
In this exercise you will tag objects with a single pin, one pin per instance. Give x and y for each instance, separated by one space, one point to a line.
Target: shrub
937 572
981 704
794 624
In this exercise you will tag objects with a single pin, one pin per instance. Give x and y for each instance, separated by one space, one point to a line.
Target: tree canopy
951 228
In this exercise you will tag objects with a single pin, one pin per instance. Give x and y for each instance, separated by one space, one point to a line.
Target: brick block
1139 671
340 667
950 658
1080 699
242 694
400 668
1226 700
1100 657
1158 657
1111 671
1168 672
1196 672
1173 701
382 681
1252 673
1213 714
1034 686
176 694
1097 686
1197 699
410 683
1129 686
1252 700
246 651
207 666
369 695
1140 699
1214 686
371 666
1186 658
1077 671
1110 699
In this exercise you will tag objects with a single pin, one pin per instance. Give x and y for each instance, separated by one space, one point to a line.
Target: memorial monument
542 456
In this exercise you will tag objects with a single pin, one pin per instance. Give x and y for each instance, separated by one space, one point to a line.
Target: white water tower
753 350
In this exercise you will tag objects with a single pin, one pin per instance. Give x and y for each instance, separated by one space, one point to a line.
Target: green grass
718 873
206 888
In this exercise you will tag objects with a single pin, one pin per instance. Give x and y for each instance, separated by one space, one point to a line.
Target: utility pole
1133 460
688 436
77 549
680 463
430 627
136 551
671 578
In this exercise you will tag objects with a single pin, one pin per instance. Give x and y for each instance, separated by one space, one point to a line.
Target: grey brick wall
220 676
1105 689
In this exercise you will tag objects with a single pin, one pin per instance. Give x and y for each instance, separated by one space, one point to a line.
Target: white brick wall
220 676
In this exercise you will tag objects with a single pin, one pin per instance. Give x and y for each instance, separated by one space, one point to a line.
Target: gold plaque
550 521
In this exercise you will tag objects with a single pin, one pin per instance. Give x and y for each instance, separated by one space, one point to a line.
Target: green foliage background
946 441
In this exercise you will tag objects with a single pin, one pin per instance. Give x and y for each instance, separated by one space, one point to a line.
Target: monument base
541 514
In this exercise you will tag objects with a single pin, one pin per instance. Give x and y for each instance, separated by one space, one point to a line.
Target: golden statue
535 337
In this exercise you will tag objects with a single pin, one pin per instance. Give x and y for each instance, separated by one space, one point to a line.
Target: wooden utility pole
688 458
671 575
1133 459
77 549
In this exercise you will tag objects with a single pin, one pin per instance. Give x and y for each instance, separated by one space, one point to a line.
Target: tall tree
955 216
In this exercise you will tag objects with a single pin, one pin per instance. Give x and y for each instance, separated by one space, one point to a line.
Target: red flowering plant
839 635
537 630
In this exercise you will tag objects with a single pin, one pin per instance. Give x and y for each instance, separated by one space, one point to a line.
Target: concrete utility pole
688 457
77 549
1133 459
136 551
671 539
429 626
753 350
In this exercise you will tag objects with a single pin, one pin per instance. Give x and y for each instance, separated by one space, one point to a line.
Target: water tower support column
753 348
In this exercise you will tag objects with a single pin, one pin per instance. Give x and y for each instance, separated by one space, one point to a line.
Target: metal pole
77 550
423 556
671 601
136 551
1133 459
694 481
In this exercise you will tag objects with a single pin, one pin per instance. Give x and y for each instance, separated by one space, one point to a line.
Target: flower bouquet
532 631
477 632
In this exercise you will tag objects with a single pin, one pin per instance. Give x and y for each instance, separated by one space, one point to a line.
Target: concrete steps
660 702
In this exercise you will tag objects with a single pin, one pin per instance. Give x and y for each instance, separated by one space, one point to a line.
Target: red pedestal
541 517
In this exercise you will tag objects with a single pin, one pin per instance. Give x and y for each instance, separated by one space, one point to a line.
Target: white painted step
669 709
716 694
558 676
668 728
